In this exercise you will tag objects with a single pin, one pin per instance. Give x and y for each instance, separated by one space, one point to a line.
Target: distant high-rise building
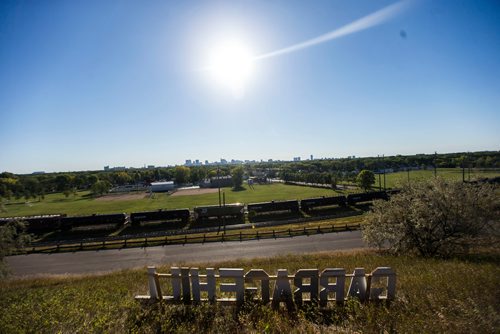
188 163
312 158
296 159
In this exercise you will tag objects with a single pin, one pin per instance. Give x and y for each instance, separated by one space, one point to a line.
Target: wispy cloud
363 23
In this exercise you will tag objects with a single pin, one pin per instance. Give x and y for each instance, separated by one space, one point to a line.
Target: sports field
82 203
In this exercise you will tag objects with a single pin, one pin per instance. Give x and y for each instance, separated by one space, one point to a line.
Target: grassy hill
433 296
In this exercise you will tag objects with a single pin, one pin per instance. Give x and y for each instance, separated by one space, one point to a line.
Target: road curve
92 262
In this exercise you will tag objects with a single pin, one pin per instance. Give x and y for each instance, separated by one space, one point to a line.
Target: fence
186 239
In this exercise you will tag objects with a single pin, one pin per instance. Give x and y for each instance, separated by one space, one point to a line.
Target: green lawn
395 180
82 204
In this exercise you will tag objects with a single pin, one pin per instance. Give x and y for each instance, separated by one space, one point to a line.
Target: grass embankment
83 204
448 296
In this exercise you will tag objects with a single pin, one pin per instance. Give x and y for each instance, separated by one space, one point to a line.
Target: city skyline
232 162
85 85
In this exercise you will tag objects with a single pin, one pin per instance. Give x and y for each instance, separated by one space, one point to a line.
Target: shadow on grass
215 222
152 227
77 234
484 255
337 211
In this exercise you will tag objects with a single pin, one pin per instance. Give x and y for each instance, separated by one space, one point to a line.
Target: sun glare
231 65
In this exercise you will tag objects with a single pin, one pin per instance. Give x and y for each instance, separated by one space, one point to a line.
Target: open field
396 180
82 203
433 296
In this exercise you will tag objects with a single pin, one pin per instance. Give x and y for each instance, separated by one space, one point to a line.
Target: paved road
109 260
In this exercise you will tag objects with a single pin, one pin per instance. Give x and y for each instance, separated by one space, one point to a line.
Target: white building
162 186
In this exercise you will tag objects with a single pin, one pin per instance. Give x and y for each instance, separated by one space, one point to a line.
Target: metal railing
241 236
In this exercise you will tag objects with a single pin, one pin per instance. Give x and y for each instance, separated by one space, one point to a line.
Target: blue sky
85 84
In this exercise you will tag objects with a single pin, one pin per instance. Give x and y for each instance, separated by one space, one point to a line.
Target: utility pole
463 171
218 183
469 161
435 167
220 203
383 167
224 217
379 180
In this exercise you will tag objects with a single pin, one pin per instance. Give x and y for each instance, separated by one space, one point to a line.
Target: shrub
433 218
11 237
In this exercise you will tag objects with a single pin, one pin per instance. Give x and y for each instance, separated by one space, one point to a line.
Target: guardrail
187 239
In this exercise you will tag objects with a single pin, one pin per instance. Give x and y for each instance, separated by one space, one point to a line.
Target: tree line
99 182
328 171
333 171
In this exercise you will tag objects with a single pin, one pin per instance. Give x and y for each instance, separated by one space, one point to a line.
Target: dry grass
434 296
122 197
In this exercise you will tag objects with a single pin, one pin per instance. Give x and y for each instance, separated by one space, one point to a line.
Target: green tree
182 174
365 179
122 178
31 187
12 237
237 177
62 182
92 179
198 174
434 218
212 173
334 180
100 187
80 181
4 191
137 177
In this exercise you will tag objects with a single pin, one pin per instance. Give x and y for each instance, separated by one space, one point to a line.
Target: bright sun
231 65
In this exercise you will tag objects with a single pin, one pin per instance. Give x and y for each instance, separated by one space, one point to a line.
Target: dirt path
198 191
122 197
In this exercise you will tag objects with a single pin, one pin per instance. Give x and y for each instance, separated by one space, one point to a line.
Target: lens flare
231 65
